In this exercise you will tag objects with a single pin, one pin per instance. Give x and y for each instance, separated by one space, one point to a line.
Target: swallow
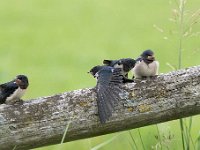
107 88
11 92
146 66
127 64
95 69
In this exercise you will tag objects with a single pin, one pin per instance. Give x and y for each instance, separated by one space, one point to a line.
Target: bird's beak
151 57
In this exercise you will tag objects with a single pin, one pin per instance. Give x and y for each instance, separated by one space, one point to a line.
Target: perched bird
95 69
146 65
12 91
108 88
126 64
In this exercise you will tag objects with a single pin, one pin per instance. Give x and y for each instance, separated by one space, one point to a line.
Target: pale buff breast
142 69
16 95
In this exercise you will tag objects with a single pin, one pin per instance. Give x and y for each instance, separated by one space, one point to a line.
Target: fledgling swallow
11 92
108 88
125 63
95 69
146 65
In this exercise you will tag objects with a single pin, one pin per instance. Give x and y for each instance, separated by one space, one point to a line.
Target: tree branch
42 121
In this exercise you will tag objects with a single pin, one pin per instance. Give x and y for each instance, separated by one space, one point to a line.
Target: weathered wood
42 121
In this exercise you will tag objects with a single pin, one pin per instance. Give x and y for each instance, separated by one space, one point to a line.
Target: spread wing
108 89
3 87
6 90
1 94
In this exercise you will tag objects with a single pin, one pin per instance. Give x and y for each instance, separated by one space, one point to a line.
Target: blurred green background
55 43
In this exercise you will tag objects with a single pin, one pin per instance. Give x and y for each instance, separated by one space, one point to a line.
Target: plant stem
14 147
190 126
181 10
141 139
133 139
182 134
160 140
66 129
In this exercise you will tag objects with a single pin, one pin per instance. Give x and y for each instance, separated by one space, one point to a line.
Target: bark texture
42 121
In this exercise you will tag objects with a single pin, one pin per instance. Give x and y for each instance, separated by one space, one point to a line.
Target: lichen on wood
42 121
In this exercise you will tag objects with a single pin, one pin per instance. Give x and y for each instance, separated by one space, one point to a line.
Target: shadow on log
42 121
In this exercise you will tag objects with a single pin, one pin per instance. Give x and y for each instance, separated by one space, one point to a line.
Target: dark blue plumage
12 91
125 63
108 88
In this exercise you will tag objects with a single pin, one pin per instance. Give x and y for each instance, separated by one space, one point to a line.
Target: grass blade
131 144
198 143
192 140
14 147
181 33
133 139
160 140
141 139
187 138
104 143
189 132
66 129
182 133
181 10
190 124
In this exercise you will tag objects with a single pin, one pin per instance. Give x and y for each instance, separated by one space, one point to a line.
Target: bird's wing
108 89
110 62
107 62
6 90
2 93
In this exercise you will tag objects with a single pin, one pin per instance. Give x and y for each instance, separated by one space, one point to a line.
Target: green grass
55 43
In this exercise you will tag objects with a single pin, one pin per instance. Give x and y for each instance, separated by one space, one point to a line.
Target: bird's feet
153 77
15 102
127 80
19 102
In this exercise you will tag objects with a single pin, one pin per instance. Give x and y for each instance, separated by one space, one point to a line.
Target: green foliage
55 43
184 30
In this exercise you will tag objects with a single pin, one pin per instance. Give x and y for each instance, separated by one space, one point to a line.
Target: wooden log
42 121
